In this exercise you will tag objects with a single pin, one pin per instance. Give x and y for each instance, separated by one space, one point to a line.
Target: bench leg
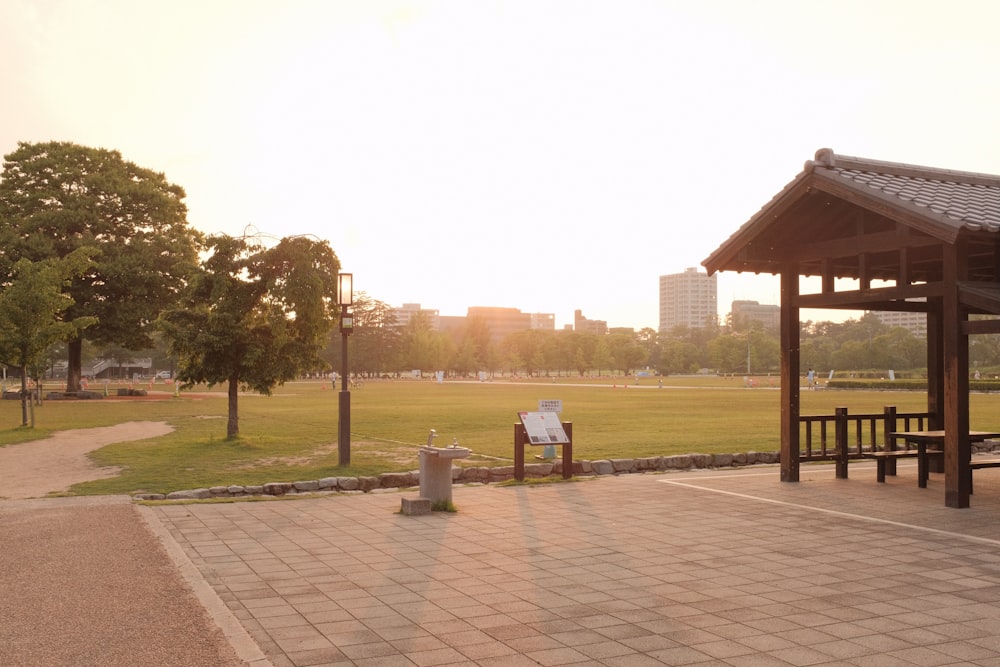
880 470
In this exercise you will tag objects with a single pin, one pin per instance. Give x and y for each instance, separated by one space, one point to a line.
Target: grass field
292 435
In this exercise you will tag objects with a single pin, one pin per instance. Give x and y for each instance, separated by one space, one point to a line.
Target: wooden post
957 450
935 365
789 374
567 451
888 426
935 373
840 438
520 438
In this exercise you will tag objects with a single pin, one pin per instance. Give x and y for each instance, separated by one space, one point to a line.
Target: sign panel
549 405
543 428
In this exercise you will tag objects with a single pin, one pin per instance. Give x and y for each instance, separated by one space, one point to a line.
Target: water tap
430 437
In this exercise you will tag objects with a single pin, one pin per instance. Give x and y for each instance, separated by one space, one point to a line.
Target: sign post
540 429
549 405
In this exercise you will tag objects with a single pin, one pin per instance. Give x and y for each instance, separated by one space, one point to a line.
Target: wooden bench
881 459
985 463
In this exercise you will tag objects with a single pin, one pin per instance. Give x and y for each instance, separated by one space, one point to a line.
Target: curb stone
484 475
470 475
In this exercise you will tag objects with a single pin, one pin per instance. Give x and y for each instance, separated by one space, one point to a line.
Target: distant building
583 325
452 324
768 315
915 323
406 313
501 321
689 298
543 321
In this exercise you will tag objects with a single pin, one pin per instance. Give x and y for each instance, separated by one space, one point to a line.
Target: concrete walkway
700 568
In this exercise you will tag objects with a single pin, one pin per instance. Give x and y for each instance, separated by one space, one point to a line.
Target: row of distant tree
380 347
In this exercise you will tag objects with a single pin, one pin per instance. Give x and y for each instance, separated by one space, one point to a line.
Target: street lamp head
345 289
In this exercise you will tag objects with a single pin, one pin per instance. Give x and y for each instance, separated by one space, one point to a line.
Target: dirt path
86 583
34 469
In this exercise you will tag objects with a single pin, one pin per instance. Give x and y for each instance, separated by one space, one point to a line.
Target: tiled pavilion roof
839 200
950 198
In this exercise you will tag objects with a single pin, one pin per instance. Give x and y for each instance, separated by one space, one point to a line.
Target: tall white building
689 298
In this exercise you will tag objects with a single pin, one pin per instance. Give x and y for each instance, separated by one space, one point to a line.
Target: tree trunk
24 396
233 424
75 353
35 393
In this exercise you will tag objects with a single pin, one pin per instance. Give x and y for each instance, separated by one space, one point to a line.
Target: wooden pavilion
910 238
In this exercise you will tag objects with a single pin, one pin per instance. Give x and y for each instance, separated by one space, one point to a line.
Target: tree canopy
57 197
253 317
32 313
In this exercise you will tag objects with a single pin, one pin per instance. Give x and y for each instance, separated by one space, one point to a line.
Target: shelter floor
725 567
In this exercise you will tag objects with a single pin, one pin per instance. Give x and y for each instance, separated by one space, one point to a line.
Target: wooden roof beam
864 274
864 262
981 327
828 276
854 245
903 237
864 298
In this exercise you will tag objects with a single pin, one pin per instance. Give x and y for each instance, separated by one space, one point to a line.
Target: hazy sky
542 155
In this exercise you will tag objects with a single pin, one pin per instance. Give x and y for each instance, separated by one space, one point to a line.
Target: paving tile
681 655
376 649
514 660
321 656
272 610
559 656
921 655
321 615
801 655
965 651
287 621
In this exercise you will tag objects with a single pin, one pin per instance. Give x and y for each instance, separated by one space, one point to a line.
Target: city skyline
581 320
520 153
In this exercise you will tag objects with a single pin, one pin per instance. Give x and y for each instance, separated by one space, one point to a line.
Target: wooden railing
842 437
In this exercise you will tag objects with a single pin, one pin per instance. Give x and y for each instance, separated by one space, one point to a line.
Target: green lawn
292 435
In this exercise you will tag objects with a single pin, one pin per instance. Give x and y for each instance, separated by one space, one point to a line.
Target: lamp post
345 296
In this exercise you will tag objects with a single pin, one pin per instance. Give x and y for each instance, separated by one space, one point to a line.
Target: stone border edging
392 481
468 475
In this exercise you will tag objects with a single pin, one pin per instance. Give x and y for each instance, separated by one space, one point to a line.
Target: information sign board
543 428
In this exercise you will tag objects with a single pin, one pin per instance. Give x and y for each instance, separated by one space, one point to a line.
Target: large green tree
254 317
33 311
57 197
375 340
421 346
